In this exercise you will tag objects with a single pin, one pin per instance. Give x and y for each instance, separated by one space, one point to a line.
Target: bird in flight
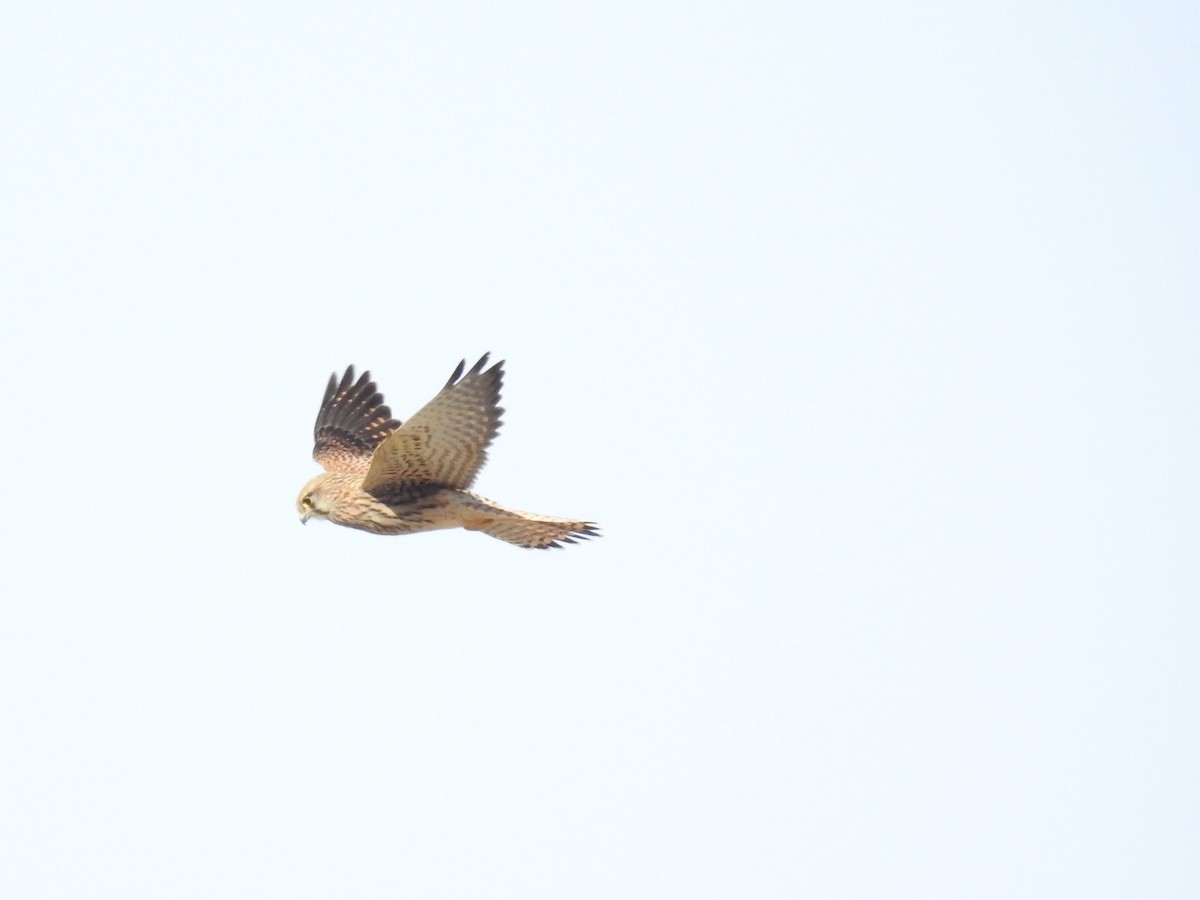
388 478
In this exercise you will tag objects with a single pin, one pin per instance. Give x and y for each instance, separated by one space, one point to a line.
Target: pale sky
868 333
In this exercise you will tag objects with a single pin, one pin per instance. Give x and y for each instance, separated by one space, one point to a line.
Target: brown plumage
388 478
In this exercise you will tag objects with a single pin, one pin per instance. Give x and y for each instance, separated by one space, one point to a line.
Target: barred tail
521 528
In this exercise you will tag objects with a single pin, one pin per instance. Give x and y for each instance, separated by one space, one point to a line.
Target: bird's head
314 500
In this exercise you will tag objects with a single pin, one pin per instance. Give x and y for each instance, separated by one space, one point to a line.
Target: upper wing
353 421
445 442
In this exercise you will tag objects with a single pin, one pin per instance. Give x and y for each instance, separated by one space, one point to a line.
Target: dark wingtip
353 415
478 367
458 370
461 371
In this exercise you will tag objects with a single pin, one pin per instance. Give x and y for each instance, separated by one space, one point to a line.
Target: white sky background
869 335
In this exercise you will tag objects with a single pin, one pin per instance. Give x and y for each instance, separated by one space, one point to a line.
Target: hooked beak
304 518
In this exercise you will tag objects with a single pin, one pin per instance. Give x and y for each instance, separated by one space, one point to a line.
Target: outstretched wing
445 443
353 421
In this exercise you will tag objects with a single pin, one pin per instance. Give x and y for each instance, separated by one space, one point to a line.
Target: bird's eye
306 503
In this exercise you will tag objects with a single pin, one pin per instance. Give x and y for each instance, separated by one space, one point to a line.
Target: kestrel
389 478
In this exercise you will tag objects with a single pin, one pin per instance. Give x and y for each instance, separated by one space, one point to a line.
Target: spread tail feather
521 528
